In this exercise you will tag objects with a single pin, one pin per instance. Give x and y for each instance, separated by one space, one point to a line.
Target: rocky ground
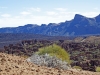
16 65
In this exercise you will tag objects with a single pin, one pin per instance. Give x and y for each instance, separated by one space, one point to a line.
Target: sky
15 13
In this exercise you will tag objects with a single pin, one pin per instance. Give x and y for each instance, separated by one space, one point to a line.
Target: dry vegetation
15 65
84 52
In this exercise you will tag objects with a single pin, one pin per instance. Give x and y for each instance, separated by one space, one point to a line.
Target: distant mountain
80 25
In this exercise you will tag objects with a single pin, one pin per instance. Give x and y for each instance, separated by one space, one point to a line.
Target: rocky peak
78 17
97 18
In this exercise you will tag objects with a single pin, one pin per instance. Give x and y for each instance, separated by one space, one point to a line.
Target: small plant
49 61
77 67
97 69
55 50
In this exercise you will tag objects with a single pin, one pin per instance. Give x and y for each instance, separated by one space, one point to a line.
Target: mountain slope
80 25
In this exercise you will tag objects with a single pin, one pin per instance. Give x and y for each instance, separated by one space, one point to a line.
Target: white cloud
51 13
96 8
25 13
51 16
34 9
90 14
33 19
16 17
60 9
29 11
6 15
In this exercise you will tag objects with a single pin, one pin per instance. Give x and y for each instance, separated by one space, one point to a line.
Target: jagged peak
78 16
52 24
97 16
28 25
43 25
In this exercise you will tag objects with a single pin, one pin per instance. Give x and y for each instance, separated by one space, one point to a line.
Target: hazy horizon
16 13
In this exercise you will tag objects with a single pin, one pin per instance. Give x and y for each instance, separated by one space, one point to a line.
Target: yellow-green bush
97 69
77 67
55 50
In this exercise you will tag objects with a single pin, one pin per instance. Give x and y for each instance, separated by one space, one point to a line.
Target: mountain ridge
80 25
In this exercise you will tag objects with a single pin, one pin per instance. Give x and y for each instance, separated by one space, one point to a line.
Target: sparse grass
55 50
25 56
77 67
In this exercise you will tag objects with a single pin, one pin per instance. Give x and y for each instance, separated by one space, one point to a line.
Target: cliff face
16 65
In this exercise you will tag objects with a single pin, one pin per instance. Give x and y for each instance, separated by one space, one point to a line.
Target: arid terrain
84 51
16 65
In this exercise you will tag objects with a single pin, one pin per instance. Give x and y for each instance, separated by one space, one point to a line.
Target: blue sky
15 13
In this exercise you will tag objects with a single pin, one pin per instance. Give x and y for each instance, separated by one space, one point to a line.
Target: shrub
49 61
77 67
55 50
97 69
